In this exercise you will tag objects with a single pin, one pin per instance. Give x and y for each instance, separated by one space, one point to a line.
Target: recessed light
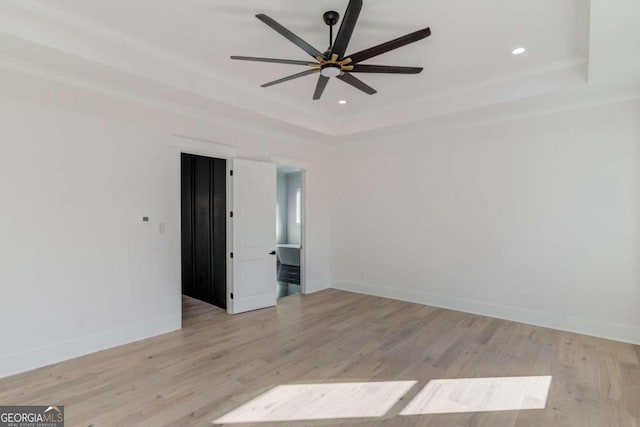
342 102
519 51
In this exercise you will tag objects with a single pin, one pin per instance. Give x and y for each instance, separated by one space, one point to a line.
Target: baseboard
313 287
25 361
592 327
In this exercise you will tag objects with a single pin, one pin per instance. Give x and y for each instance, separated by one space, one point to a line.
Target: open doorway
289 231
204 228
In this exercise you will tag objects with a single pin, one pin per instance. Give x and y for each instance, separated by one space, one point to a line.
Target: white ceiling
177 52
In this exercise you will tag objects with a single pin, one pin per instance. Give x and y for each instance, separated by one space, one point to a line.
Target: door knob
272 253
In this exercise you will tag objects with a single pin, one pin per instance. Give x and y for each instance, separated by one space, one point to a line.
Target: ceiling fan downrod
331 18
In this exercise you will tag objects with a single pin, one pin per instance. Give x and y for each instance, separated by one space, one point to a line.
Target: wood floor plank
218 362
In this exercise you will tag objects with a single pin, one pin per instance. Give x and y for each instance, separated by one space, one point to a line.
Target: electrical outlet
525 298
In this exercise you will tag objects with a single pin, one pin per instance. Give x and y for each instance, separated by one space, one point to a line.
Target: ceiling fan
334 62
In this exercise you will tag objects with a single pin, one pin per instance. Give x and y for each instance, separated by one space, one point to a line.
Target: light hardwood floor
218 362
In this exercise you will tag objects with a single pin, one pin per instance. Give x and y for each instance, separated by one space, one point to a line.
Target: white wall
281 208
536 220
294 183
543 208
79 272
288 231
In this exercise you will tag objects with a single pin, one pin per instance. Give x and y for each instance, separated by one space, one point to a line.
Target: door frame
304 167
205 148
208 148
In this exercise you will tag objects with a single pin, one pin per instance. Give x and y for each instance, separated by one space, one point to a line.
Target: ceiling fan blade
290 36
286 79
277 61
385 69
357 83
390 45
346 27
322 84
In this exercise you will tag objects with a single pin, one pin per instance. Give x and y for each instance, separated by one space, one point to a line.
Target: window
298 206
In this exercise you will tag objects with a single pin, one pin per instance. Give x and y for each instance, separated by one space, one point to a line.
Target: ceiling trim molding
54 77
566 75
576 63
63 30
508 113
289 163
450 120
71 34
203 147
55 15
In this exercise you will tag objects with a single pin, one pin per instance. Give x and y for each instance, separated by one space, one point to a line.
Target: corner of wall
313 287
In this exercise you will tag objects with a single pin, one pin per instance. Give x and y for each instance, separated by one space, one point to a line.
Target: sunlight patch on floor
480 395
307 402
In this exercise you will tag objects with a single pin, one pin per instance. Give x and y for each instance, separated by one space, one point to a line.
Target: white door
254 235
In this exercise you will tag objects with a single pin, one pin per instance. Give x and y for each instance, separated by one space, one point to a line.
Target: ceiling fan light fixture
330 70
